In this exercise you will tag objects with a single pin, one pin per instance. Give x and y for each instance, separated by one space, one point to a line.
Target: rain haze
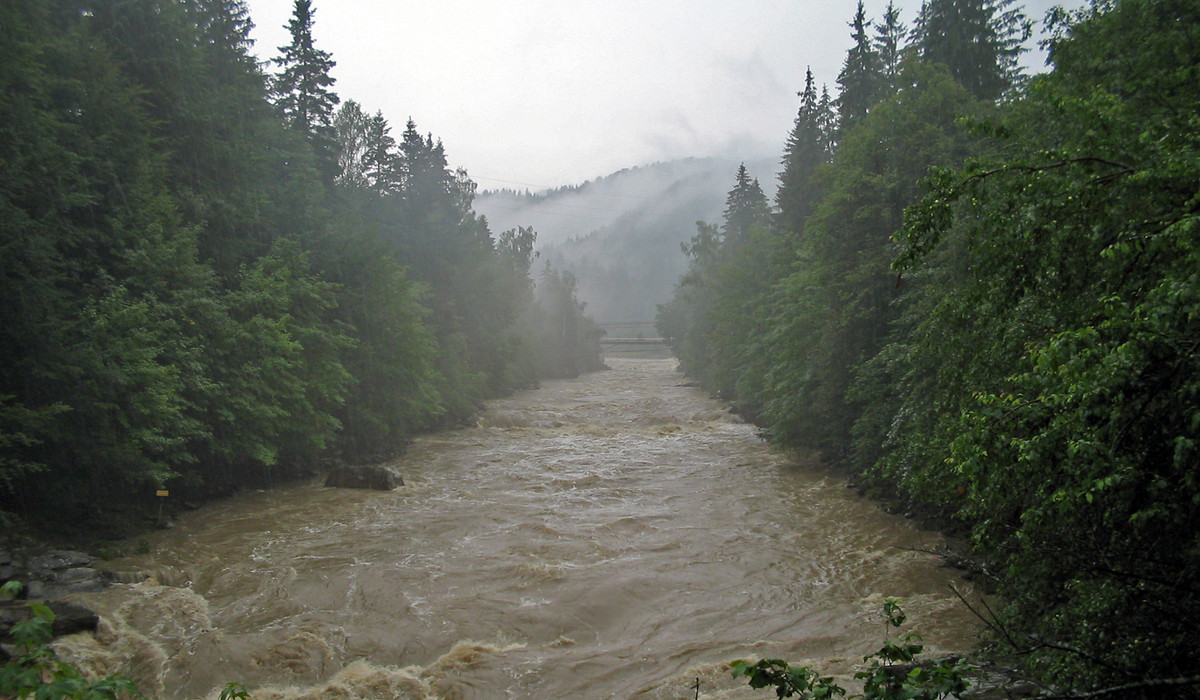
537 94
577 355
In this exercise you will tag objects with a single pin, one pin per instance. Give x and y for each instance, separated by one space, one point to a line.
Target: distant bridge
621 333
609 342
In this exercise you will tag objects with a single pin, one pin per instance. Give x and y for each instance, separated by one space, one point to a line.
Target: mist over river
618 535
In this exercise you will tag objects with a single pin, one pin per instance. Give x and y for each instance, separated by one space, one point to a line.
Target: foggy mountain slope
575 210
620 235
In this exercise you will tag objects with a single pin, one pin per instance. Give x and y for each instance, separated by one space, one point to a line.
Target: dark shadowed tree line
213 275
981 293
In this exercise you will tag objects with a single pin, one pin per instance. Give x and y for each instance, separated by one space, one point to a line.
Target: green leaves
280 362
36 631
35 672
885 678
1034 371
926 220
234 691
1063 302
787 681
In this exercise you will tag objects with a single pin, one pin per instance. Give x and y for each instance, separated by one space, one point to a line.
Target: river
619 535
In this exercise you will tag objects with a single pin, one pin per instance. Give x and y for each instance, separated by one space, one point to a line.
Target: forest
217 273
978 293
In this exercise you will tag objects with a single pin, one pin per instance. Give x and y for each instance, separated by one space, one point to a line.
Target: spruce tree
861 79
808 146
890 34
381 161
978 40
426 176
302 87
224 28
745 207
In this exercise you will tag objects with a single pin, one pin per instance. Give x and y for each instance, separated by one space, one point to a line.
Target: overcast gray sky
543 93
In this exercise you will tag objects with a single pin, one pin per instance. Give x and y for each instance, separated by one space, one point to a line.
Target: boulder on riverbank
44 577
53 574
69 617
376 477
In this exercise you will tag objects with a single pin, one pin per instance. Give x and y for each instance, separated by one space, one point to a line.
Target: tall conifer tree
381 161
809 145
978 40
302 87
861 79
224 26
890 35
745 207
427 180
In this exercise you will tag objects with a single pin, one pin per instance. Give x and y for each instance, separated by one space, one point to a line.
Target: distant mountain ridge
620 235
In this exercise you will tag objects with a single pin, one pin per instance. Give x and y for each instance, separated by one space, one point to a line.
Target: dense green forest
217 273
980 292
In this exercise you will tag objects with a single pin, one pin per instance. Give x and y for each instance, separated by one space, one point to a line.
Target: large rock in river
69 617
375 477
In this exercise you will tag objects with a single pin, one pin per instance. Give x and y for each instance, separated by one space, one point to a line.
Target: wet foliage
1010 345
213 276
891 673
35 671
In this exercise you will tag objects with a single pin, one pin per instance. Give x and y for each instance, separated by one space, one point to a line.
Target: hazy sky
548 92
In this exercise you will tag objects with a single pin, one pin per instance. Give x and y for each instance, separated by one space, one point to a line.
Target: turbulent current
619 535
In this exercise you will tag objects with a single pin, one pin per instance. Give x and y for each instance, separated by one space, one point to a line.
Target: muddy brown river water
619 535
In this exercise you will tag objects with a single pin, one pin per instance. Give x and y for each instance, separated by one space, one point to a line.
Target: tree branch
1122 169
993 624
1139 685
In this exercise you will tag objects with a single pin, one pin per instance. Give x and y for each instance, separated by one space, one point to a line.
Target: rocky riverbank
48 577
52 574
